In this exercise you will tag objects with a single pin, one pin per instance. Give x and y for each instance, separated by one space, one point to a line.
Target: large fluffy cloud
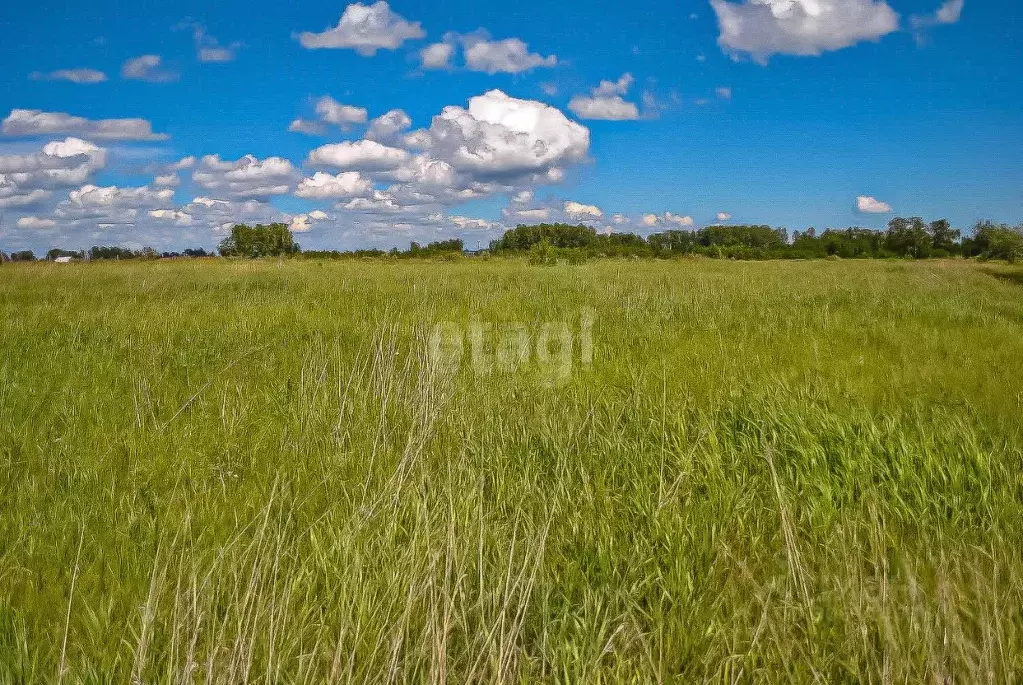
247 177
424 171
606 102
497 144
499 136
392 180
365 29
27 179
69 153
111 204
34 122
762 28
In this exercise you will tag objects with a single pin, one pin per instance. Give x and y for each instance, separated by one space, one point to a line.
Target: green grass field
227 471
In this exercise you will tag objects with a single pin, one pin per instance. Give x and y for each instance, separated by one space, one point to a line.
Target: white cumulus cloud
762 28
606 102
26 179
651 220
362 154
322 186
365 29
247 177
34 122
388 126
678 219
166 180
179 217
437 56
870 205
31 222
11 195
577 210
300 223
533 214
510 56
111 204
333 112
499 135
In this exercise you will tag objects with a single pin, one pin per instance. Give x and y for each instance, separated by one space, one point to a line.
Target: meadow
226 471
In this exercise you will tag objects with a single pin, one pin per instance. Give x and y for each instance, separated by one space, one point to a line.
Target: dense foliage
442 248
23 256
908 238
911 238
273 240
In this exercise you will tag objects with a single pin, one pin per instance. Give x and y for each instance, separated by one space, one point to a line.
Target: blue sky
161 125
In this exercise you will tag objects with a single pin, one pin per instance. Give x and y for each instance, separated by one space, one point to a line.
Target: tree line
903 238
547 243
102 252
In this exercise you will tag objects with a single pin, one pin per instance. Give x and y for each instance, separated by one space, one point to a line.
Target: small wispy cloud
147 68
207 47
80 76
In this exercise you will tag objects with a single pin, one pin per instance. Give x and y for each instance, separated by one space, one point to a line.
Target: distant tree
944 238
763 237
908 237
271 240
852 243
23 256
674 242
111 252
196 252
439 248
57 252
543 253
521 237
996 241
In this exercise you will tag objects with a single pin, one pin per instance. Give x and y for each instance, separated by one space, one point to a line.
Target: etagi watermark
509 347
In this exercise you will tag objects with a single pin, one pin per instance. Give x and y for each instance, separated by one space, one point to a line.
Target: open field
256 471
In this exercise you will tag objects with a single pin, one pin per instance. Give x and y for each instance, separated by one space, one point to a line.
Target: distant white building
63 260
